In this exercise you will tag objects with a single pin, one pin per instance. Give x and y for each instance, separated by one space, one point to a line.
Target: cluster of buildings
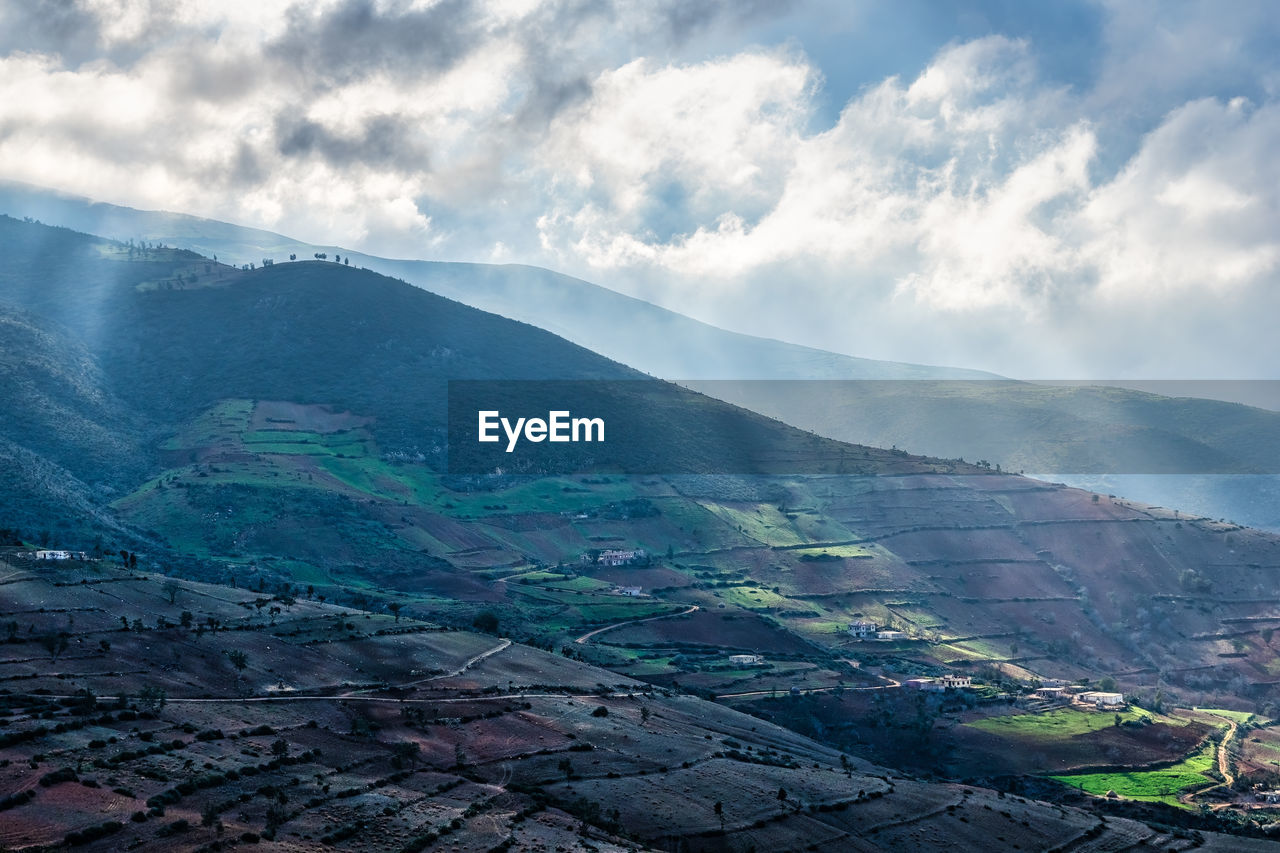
1060 692
942 682
61 555
871 631
614 557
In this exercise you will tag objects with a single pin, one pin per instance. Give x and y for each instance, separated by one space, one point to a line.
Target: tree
238 659
719 809
54 644
171 589
152 699
280 748
186 619
1107 684
394 607
645 714
486 621
406 750
782 798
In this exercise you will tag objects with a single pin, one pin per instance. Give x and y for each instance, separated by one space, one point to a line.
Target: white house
1101 700
890 635
61 555
862 630
745 660
632 591
620 558
956 682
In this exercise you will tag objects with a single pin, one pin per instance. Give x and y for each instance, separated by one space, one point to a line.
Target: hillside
150 714
280 429
1198 448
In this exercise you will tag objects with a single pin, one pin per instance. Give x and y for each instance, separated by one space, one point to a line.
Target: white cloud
965 202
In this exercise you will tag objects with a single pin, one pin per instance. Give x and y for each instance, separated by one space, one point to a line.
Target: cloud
971 211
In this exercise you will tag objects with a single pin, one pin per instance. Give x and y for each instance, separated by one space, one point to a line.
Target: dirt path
590 634
1224 766
470 662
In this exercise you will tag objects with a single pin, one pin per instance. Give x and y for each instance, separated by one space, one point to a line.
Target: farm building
956 682
890 635
862 630
61 555
1052 693
620 558
632 591
923 683
1101 700
745 660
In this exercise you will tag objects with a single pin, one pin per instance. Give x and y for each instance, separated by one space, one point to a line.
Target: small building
632 591
1054 682
862 630
1268 797
745 660
1053 694
61 555
956 682
923 683
1101 700
890 635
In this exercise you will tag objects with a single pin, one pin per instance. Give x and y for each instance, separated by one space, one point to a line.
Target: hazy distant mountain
647 337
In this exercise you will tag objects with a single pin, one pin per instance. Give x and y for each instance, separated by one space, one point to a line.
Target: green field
1156 786
1062 723
1237 716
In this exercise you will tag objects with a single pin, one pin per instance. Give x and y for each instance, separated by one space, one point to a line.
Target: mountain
619 327
114 347
277 432
1118 438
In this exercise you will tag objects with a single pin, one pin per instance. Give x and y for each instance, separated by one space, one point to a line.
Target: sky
1053 190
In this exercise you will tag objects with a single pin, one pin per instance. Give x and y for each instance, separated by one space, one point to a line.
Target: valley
564 658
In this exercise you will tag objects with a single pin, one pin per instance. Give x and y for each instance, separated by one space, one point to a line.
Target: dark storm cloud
356 38
383 141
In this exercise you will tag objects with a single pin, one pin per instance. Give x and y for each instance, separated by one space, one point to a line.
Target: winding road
587 636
